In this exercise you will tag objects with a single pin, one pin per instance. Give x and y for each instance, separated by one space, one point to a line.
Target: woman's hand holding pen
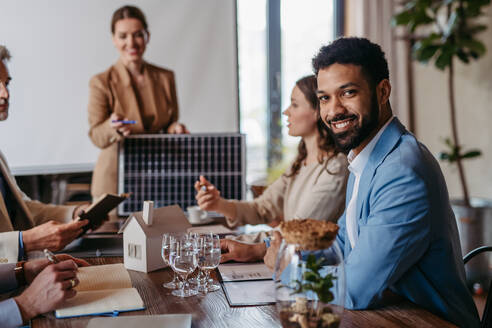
208 197
120 127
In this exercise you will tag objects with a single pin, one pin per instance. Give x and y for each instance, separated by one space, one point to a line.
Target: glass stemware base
194 281
208 288
170 285
184 292
173 284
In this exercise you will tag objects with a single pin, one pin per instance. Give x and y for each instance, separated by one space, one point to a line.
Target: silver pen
50 256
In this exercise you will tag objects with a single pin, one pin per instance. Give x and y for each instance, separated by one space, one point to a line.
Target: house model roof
165 219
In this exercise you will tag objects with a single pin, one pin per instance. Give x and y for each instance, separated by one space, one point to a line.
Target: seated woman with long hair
314 185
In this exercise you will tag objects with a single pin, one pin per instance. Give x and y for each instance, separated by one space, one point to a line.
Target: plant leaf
444 59
475 46
463 56
449 143
311 276
425 53
472 153
402 18
443 156
474 29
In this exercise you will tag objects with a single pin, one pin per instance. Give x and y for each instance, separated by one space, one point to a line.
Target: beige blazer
113 91
29 213
316 192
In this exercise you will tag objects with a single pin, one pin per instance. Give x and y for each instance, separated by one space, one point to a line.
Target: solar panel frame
147 174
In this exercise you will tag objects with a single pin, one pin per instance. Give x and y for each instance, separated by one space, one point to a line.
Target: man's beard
352 138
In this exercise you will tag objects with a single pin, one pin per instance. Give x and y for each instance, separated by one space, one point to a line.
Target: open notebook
103 289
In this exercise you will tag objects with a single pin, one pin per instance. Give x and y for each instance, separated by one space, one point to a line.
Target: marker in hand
124 121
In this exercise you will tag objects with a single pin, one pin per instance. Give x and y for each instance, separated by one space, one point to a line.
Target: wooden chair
487 312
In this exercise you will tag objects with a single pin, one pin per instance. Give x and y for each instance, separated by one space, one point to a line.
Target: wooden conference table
212 310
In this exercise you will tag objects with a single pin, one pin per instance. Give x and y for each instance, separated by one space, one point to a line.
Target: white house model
142 235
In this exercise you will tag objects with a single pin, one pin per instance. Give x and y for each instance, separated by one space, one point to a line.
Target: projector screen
57 45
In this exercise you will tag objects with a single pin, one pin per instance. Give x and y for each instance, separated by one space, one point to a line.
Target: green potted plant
309 275
444 31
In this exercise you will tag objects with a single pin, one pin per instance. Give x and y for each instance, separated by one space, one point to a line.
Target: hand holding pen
208 196
121 124
67 261
55 259
50 256
124 121
203 184
50 283
34 267
72 279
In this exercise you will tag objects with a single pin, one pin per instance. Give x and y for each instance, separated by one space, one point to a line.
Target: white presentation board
57 45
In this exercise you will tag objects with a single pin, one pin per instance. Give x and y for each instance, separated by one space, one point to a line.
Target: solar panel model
164 168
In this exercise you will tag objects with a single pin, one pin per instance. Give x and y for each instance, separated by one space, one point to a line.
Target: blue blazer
408 238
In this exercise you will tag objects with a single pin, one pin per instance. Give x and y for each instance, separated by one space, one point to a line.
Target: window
252 59
303 27
135 251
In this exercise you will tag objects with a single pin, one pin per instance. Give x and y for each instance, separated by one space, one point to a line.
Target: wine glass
198 278
183 258
194 279
167 239
208 259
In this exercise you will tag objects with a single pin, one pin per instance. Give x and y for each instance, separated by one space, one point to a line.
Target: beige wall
473 86
371 19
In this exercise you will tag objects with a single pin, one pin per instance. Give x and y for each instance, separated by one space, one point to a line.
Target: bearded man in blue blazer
398 232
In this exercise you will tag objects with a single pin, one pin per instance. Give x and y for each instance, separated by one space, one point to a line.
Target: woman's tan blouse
153 105
316 192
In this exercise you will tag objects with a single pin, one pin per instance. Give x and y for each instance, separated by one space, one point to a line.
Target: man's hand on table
241 252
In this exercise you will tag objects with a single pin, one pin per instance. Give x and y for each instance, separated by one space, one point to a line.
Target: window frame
274 72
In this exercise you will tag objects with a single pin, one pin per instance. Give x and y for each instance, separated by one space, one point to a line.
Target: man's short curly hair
356 51
4 53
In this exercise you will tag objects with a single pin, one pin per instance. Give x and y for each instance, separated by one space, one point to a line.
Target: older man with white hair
28 225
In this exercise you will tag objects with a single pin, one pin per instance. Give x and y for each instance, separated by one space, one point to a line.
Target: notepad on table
247 284
254 292
102 289
244 272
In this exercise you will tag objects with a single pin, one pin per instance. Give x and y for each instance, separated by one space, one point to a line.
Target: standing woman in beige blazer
131 89
313 187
